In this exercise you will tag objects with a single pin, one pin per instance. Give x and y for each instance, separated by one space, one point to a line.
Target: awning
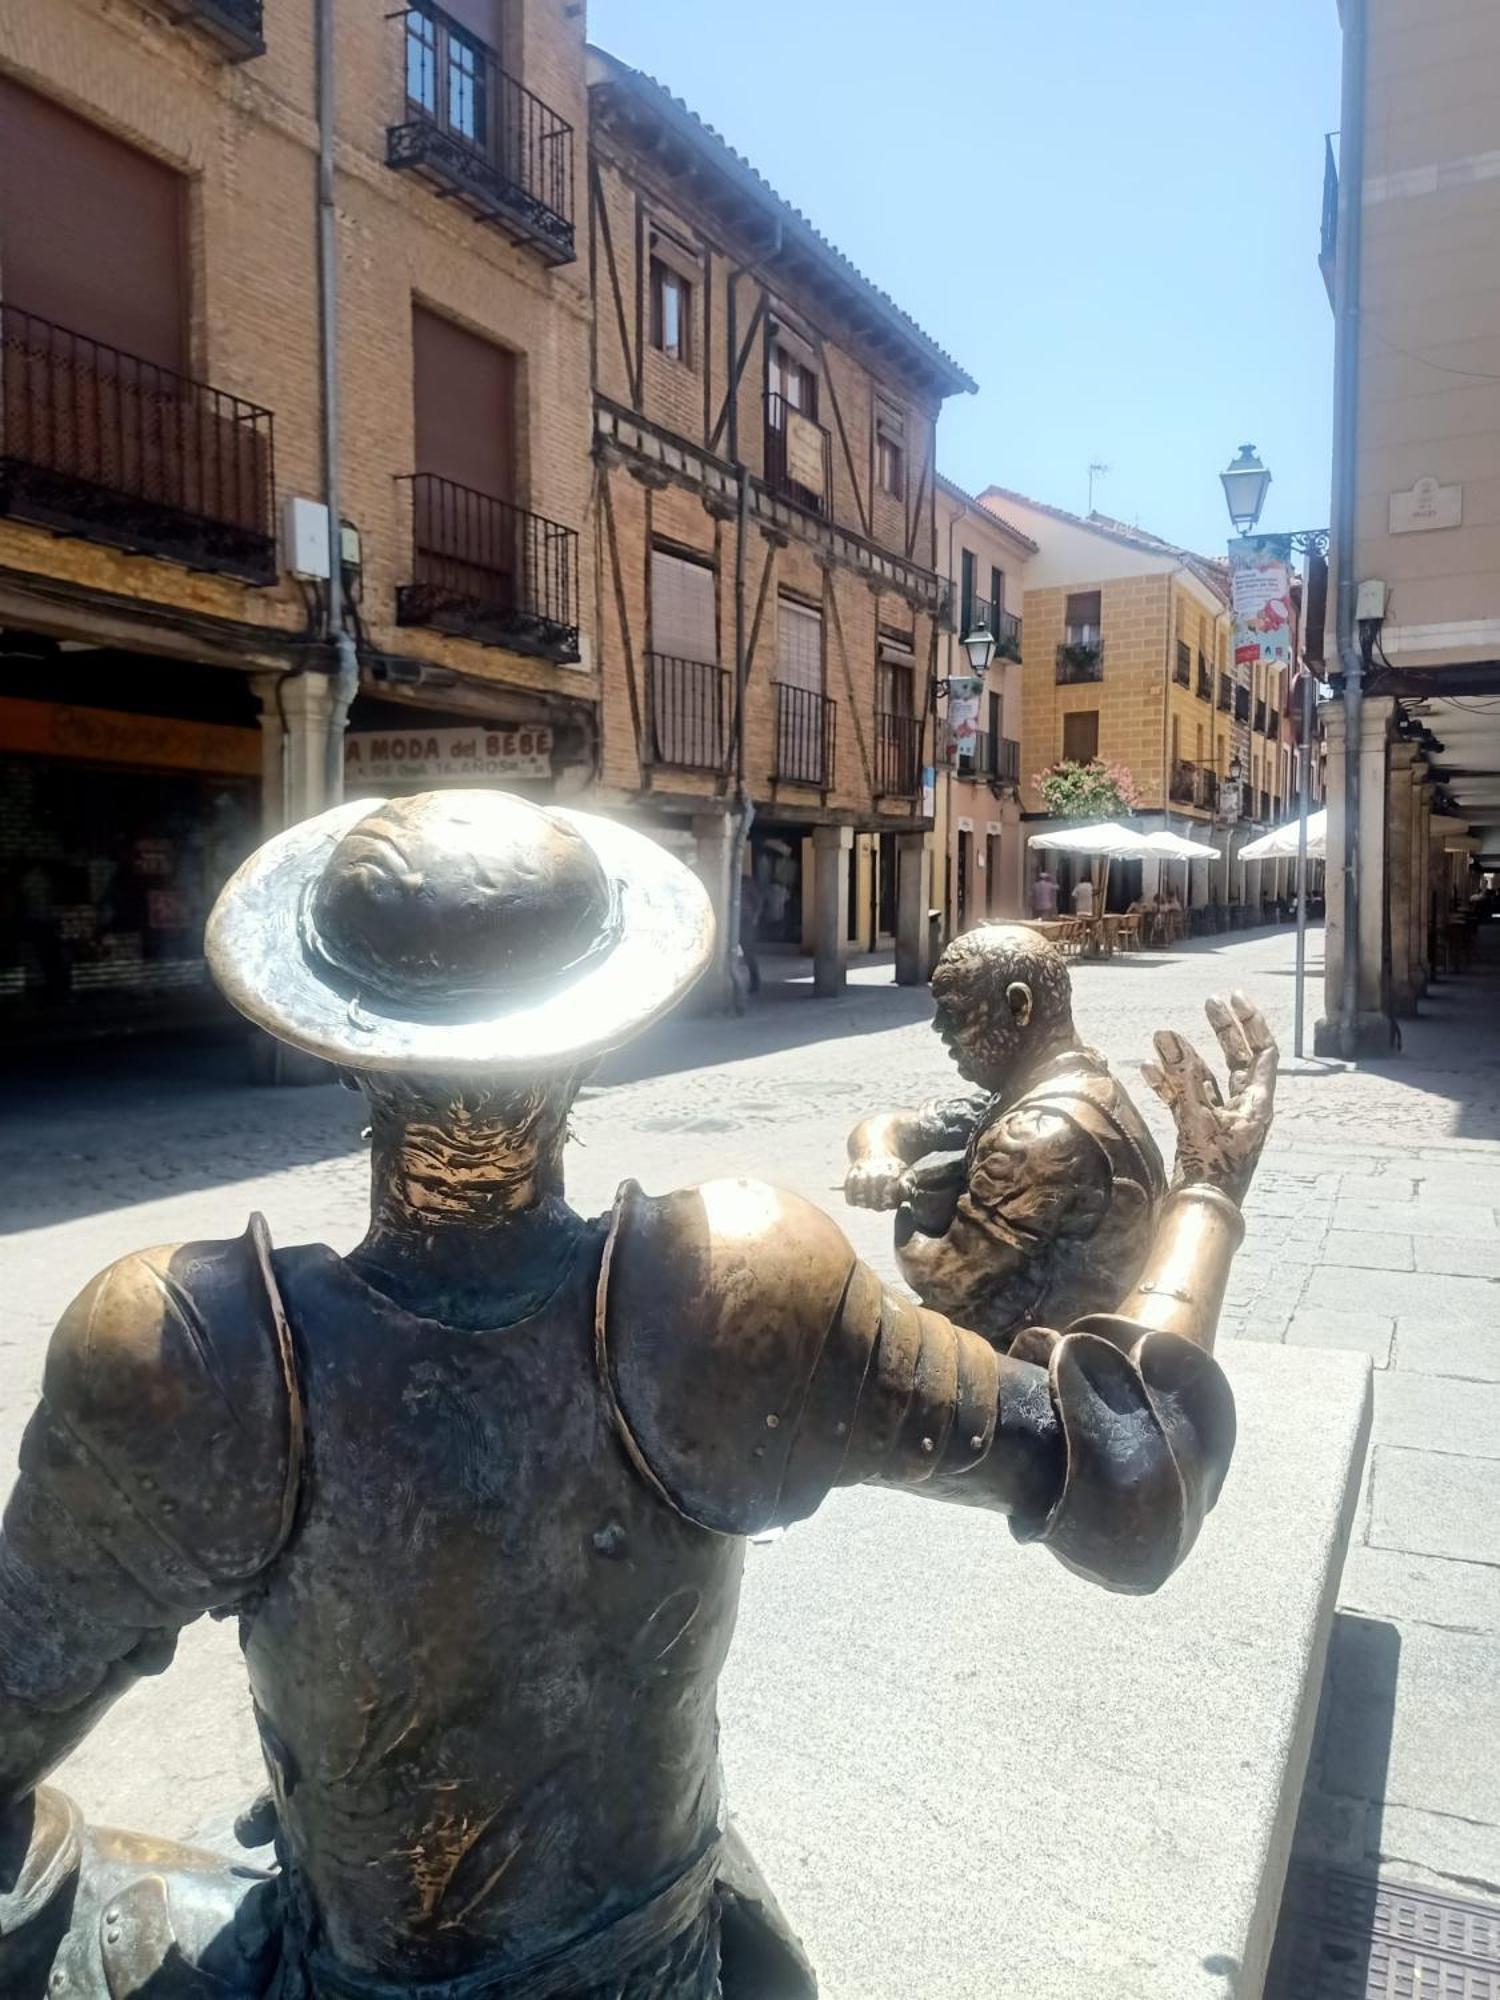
1176 847
1280 844
1105 838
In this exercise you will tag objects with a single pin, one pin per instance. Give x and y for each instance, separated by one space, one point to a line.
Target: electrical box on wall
1369 606
305 539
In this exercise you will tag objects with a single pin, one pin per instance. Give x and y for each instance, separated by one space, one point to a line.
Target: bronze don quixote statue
478 1492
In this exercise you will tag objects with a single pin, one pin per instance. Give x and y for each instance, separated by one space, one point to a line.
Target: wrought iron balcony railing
806 732
898 754
692 712
1192 784
1226 693
482 569
1242 704
1080 660
236 25
481 138
799 458
113 449
1003 626
996 759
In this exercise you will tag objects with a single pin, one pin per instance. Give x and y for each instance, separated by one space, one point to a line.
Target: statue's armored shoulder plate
170 1427
752 1363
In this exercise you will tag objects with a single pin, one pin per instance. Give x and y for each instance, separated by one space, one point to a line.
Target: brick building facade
764 435
164 681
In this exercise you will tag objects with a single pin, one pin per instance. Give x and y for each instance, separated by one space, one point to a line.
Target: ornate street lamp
979 644
1246 483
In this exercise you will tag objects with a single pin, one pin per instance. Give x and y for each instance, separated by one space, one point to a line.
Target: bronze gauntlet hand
1148 1427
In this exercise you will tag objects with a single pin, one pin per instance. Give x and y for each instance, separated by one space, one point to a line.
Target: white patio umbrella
1178 847
1280 844
1101 840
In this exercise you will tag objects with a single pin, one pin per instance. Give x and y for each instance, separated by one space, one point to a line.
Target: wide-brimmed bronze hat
458 933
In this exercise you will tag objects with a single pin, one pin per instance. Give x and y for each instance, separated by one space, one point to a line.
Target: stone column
293 762
1402 890
1371 1030
831 847
1421 833
913 899
1012 887
714 834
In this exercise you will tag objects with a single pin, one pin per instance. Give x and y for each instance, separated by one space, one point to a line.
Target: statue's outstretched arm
754 1364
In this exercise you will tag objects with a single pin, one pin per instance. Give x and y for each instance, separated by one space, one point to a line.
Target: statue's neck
1035 1063
468 1223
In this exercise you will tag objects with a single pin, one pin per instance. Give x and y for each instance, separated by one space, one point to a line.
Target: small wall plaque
1428 505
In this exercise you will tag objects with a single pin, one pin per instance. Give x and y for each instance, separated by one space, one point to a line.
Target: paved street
1375 1224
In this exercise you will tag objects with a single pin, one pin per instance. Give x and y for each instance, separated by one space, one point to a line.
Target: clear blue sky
1107 212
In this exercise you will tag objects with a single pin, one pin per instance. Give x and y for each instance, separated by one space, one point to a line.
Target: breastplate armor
485 1665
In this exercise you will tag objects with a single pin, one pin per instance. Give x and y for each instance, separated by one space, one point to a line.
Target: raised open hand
1219 1140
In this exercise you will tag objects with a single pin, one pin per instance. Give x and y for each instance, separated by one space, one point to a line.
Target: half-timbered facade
768 595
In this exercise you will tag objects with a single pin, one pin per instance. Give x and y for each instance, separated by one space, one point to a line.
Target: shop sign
396 756
1261 585
804 453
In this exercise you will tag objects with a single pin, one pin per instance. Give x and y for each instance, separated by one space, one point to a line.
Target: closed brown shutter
799 646
682 609
93 234
1081 736
465 391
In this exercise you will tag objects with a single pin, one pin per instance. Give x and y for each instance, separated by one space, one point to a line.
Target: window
446 75
890 449
997 597
799 645
1083 616
465 406
671 313
1081 736
683 625
967 571
890 467
794 382
997 716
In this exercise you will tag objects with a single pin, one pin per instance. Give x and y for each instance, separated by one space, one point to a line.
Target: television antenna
1096 471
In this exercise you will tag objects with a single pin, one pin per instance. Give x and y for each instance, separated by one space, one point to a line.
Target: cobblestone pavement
1375 1223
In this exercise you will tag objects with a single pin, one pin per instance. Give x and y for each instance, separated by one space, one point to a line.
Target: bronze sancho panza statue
478 1492
1036 1195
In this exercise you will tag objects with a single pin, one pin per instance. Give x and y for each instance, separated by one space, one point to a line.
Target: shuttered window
799 646
465 393
682 609
1081 736
93 234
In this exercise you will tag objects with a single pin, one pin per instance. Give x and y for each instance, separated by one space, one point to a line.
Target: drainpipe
746 809
1345 464
346 659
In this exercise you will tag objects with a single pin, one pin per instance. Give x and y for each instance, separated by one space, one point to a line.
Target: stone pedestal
293 768
1370 1029
831 847
913 900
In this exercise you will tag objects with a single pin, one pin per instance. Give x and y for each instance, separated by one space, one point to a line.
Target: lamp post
1246 482
979 644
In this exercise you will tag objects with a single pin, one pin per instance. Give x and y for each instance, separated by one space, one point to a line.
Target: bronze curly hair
974 971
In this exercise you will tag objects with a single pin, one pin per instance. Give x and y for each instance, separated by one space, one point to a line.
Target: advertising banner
1260 575
965 692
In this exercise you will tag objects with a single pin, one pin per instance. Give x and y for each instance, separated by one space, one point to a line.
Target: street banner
386 756
1260 575
965 692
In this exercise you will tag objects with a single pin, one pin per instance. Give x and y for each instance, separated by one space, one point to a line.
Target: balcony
1192 785
482 139
1328 246
484 570
235 25
1205 680
898 755
1242 704
1080 660
109 448
692 708
806 728
1226 693
799 458
995 760
1003 626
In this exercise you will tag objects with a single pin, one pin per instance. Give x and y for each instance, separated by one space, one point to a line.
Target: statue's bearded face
980 1032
